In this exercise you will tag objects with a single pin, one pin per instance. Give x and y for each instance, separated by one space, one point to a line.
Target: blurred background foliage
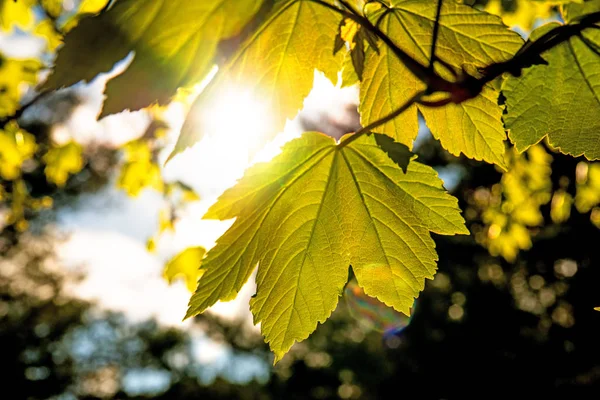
511 308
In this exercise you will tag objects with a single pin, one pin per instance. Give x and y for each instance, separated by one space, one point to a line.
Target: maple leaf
560 100
467 38
310 214
185 265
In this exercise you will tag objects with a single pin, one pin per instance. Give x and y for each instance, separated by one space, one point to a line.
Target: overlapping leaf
308 215
185 265
276 65
467 38
174 41
560 100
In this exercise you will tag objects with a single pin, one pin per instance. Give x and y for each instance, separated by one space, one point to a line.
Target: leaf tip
189 314
171 156
278 356
463 230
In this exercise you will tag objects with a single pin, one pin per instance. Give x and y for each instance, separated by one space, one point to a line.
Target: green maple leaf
185 265
307 216
579 8
560 100
175 43
276 65
467 38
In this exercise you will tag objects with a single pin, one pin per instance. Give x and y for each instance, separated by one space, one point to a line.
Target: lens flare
372 313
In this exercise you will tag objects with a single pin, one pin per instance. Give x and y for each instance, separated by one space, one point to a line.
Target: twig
22 109
436 31
466 86
414 66
367 129
532 51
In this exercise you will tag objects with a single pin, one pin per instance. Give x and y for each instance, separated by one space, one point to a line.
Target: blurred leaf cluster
511 208
26 156
521 13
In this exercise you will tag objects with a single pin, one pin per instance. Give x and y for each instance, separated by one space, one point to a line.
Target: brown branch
21 110
367 129
466 86
436 31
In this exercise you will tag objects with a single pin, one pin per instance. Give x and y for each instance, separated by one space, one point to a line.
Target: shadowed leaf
174 41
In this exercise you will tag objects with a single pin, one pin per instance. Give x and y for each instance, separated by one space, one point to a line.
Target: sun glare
240 117
235 125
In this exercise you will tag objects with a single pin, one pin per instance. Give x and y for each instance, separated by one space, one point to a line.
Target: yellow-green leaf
276 65
310 214
63 161
14 74
92 6
579 8
16 147
140 171
46 30
174 42
467 38
16 13
187 266
560 100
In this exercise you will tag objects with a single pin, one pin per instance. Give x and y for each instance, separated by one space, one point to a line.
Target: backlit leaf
513 206
467 38
560 100
140 171
15 75
588 186
174 42
46 30
577 9
92 6
63 161
16 147
310 214
185 265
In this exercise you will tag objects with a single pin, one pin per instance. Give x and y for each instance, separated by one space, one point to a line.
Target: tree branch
367 129
436 31
466 86
22 109
418 69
